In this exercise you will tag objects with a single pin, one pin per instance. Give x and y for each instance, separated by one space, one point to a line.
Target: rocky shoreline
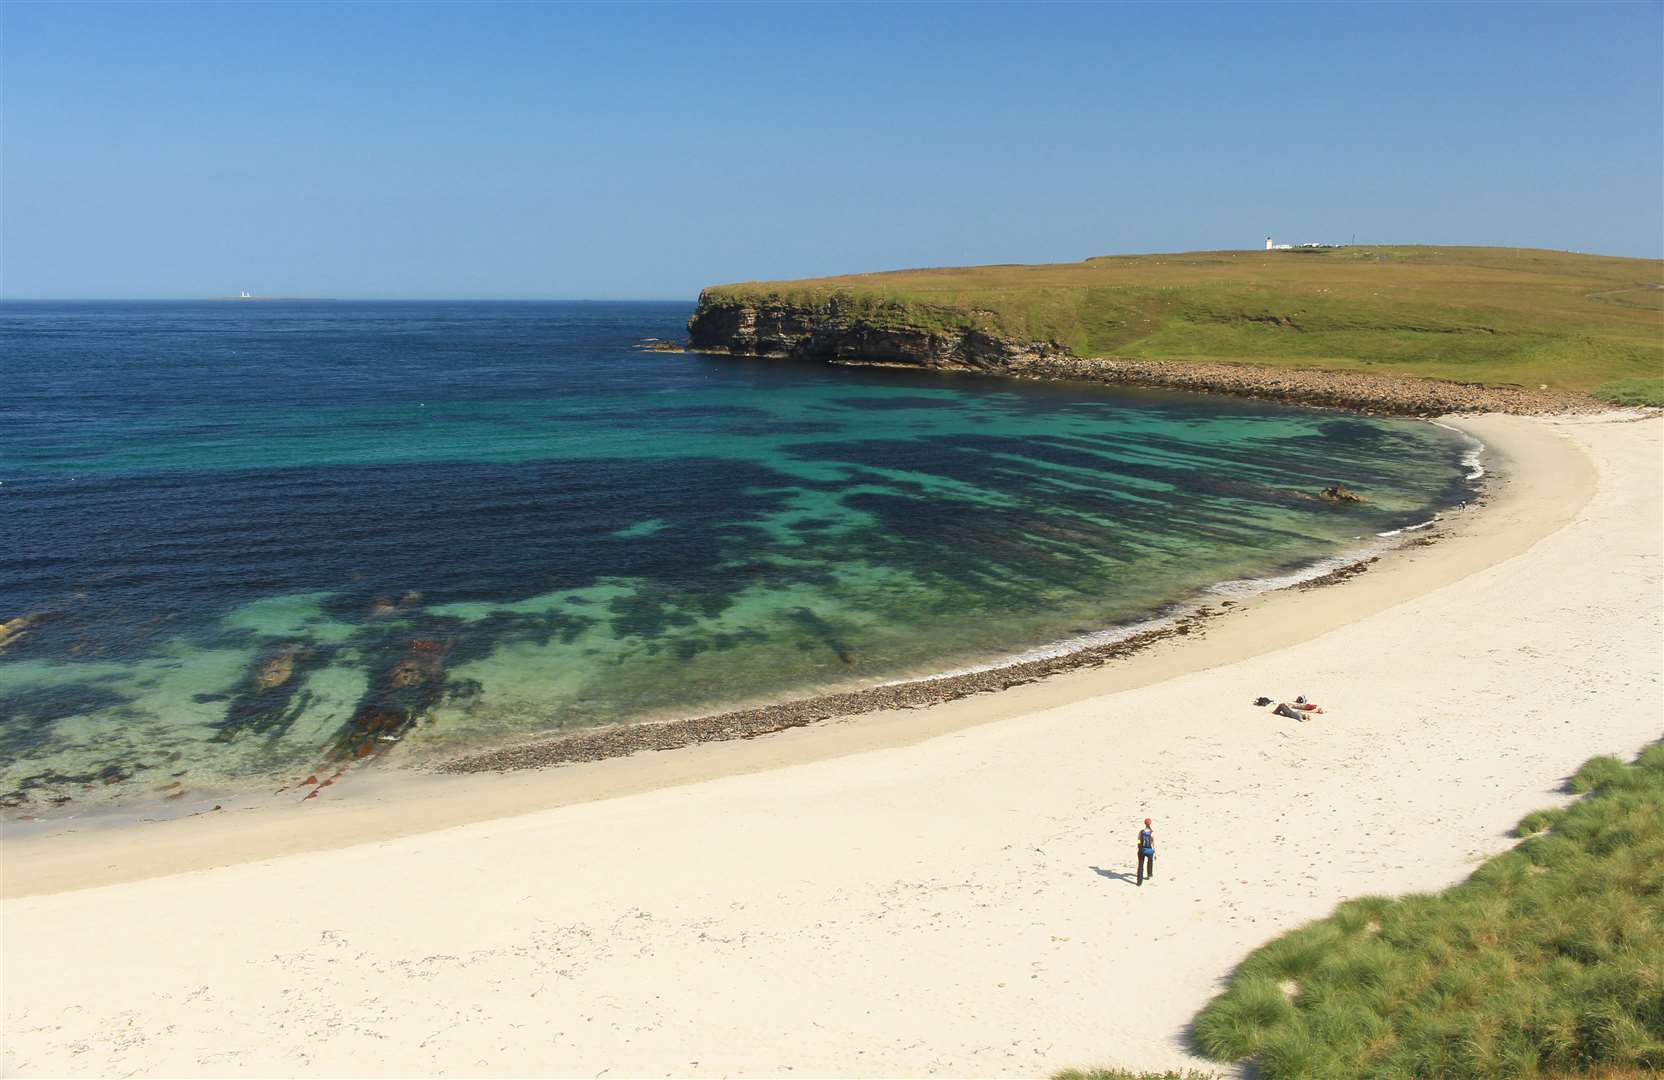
617 741
1360 391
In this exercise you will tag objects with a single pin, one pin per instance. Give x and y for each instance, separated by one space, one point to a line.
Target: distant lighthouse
1268 244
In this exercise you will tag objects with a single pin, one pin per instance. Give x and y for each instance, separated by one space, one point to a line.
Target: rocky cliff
838 330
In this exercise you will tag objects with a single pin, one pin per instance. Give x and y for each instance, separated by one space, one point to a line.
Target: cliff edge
841 329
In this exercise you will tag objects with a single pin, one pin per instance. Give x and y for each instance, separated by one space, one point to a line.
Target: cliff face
832 331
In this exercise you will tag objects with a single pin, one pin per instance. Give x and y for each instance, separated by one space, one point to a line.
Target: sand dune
941 892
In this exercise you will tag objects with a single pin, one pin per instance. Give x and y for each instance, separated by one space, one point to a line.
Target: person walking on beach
1146 852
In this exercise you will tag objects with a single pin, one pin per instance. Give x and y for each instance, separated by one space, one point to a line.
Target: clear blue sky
520 150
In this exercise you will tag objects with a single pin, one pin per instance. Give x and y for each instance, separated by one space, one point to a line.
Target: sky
381 150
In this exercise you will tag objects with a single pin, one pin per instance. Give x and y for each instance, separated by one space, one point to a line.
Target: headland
1397 329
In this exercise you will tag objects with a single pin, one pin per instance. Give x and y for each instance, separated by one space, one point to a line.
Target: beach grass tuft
1595 773
1122 1074
1547 961
1239 1026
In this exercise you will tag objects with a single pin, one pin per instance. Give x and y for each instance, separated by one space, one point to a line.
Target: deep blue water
251 537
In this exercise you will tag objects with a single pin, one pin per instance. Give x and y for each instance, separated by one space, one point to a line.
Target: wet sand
909 891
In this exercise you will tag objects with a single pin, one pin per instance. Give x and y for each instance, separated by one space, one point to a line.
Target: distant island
1410 329
250 296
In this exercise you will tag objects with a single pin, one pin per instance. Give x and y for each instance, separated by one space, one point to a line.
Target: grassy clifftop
1501 316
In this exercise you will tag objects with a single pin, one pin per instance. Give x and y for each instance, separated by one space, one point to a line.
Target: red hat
1146 821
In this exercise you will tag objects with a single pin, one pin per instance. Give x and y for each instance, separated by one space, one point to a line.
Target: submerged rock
12 630
387 605
1338 494
48 786
400 694
277 670
659 345
269 700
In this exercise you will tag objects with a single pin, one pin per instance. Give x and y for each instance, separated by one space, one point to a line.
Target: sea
245 541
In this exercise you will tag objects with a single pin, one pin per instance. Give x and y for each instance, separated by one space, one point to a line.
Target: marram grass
1547 962
1122 1074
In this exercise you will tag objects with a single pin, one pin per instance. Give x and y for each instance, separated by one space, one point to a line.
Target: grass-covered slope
1501 316
1548 961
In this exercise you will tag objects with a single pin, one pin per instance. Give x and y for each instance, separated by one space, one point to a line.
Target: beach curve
899 858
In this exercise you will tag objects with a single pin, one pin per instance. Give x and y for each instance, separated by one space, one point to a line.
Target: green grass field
1548 961
1500 316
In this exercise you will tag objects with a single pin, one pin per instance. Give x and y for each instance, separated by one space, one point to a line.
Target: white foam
1474 459
1061 647
1242 588
1434 520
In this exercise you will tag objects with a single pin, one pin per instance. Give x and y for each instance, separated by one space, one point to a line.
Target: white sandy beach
935 892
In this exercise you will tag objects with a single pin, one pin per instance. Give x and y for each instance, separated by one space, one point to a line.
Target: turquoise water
253 541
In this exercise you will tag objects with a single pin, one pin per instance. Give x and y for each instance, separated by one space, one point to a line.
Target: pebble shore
596 744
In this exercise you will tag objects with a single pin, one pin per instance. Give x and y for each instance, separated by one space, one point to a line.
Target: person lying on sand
1297 711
